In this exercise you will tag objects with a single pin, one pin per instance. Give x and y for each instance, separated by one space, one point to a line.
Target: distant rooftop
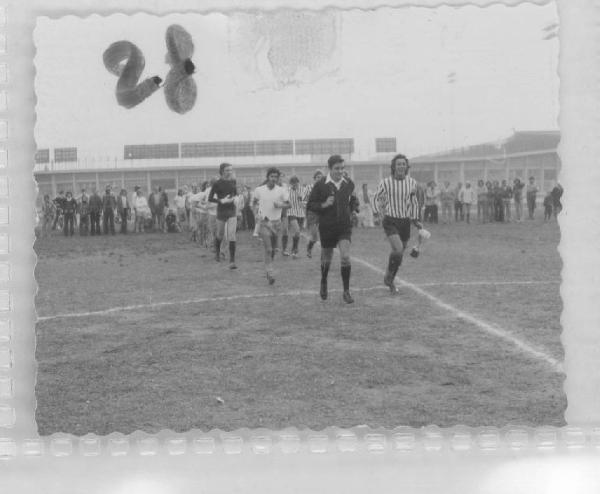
524 141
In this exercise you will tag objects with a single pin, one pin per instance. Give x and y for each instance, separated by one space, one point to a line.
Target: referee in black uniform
333 199
396 198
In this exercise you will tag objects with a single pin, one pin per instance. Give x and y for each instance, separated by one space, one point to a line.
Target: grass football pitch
148 332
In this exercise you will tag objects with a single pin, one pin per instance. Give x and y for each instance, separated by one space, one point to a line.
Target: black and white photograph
294 218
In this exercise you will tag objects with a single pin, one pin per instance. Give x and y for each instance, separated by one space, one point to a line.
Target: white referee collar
337 184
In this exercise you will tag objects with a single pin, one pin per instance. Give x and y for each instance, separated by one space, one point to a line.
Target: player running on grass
396 199
312 218
223 193
271 199
334 200
295 214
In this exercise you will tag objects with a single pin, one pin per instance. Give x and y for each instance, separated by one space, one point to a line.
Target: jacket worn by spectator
69 206
123 208
339 215
158 201
109 201
84 209
95 203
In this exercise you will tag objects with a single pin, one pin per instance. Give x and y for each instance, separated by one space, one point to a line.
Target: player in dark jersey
223 193
334 200
396 199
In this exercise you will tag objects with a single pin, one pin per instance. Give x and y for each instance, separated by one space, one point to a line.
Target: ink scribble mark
180 87
126 61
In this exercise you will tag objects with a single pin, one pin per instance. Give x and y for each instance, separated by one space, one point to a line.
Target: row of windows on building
545 174
228 149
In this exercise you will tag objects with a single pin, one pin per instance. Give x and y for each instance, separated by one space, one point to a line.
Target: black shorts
331 236
397 226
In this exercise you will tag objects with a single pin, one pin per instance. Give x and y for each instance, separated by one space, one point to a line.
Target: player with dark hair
223 193
334 200
312 218
396 199
271 198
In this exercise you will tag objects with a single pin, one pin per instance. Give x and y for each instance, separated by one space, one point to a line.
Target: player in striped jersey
312 219
396 199
295 213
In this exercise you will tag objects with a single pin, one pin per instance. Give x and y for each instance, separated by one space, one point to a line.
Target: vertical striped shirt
397 198
306 193
297 205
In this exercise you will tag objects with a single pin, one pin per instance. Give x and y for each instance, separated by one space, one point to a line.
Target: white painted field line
487 283
488 328
292 293
177 302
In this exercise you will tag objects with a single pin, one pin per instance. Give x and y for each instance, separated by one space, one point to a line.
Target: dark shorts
397 226
331 236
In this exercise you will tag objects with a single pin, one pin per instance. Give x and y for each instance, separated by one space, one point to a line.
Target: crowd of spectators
491 201
94 214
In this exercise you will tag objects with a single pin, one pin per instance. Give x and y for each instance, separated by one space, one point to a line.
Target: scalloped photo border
457 459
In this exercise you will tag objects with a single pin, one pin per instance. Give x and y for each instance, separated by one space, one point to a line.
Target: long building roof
521 142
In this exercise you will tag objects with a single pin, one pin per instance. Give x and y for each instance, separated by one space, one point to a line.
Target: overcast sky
432 78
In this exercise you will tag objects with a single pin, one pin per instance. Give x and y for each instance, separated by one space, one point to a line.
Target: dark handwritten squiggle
129 93
180 87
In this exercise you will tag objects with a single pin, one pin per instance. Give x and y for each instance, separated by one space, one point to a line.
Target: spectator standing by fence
447 202
548 207
69 210
531 191
95 212
498 204
123 209
420 194
109 204
467 198
431 202
58 203
180 205
84 216
48 214
482 202
507 194
366 210
141 211
490 201
458 210
518 197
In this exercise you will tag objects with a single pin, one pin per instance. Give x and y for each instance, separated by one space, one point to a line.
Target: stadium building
523 154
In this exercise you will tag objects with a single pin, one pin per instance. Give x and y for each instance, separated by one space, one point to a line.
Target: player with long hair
396 199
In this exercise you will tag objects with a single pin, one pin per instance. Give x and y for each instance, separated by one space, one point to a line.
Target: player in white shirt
271 199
